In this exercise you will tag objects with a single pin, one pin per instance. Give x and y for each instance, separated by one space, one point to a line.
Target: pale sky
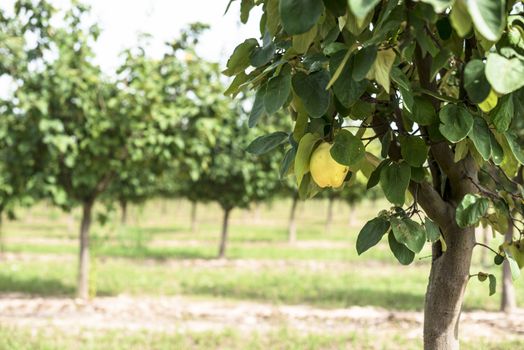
122 20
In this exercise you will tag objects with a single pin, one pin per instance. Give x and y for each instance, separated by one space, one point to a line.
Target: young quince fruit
326 171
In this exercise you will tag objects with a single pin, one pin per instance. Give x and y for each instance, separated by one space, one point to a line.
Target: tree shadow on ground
340 298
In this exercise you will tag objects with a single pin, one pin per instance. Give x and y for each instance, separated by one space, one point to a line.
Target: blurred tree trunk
353 221
292 227
163 206
256 213
508 302
193 216
223 237
123 209
329 219
83 263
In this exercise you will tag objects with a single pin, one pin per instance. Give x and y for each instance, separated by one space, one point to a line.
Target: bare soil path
168 314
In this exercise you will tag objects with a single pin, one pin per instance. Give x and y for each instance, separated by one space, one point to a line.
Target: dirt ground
181 314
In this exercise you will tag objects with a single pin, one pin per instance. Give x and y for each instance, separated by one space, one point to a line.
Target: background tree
424 77
18 168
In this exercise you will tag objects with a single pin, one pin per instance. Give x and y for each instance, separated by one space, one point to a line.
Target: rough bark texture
83 262
193 217
329 219
447 282
292 227
123 209
508 302
223 236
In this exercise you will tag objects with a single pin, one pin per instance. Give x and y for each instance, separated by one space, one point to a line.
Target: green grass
236 250
282 339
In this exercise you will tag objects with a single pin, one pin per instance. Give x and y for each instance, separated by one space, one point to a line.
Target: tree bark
329 219
447 282
292 227
508 301
123 209
83 262
223 237
193 216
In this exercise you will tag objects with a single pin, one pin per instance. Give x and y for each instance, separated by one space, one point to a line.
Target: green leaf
460 19
504 75
513 265
432 230
381 69
240 59
394 180
482 276
502 114
481 137
277 91
471 209
245 8
371 234
409 233
302 42
361 8
374 178
299 16
439 5
347 148
363 61
272 16
262 55
347 90
305 147
234 88
497 152
488 17
498 259
258 108
287 161
515 146
475 81
423 112
457 122
414 150
492 284
404 86
266 143
312 91
400 251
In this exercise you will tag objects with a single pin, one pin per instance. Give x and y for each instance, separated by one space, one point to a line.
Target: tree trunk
123 208
83 263
329 219
353 221
447 282
508 302
193 216
292 228
223 237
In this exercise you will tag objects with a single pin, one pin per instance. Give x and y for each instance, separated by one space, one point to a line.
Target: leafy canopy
408 76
